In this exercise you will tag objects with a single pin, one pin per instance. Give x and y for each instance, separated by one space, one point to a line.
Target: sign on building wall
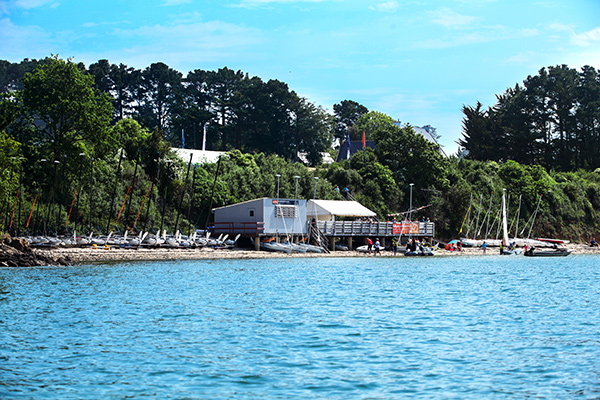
406 228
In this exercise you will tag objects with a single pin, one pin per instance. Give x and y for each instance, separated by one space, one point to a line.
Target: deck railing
339 228
244 228
367 228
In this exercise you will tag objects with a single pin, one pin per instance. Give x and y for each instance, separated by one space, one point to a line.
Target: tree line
235 110
552 119
69 162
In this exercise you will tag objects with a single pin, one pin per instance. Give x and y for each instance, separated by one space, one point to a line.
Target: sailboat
504 245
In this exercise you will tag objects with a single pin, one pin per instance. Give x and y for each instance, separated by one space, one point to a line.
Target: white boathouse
270 217
262 217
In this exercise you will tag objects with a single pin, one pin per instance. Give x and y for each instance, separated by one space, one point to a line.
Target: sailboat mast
518 215
478 213
504 221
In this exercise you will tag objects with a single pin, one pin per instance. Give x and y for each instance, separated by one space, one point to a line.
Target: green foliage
371 184
10 164
347 114
59 120
551 120
70 110
409 156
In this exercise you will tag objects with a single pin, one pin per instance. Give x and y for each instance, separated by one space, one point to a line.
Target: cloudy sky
417 61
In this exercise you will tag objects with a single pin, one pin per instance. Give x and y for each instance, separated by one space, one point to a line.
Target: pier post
349 242
257 243
332 243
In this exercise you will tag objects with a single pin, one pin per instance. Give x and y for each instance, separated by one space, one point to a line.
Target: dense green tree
410 157
191 111
588 117
552 119
479 134
11 74
121 82
158 89
10 164
68 113
347 113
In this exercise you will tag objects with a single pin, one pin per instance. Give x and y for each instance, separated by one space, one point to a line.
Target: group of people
376 247
453 247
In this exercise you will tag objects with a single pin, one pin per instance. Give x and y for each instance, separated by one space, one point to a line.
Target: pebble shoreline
87 255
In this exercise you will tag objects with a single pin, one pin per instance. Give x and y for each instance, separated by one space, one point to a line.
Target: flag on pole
182 140
348 140
363 140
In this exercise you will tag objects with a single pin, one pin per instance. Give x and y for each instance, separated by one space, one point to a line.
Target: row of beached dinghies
142 240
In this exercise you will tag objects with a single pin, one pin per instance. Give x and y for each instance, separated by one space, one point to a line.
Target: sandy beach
87 255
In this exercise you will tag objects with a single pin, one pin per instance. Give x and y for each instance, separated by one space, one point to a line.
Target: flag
182 140
363 141
348 140
204 137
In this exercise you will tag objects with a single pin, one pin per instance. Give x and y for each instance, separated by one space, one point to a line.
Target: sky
417 61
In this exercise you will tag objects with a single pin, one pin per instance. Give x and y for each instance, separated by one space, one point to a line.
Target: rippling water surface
441 327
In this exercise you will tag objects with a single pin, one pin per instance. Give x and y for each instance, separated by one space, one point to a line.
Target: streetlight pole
410 211
295 205
276 208
410 206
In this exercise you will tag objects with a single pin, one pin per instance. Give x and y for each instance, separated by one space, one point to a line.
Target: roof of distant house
198 156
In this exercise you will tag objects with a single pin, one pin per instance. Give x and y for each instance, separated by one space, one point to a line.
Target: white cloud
18 42
484 35
185 44
96 24
264 2
451 19
176 2
386 6
29 4
587 38
524 58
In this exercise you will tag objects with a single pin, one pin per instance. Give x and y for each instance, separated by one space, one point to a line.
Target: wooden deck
338 228
382 229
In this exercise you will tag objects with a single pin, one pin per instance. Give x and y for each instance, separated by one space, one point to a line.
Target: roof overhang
338 208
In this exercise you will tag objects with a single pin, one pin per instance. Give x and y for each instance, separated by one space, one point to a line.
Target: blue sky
417 61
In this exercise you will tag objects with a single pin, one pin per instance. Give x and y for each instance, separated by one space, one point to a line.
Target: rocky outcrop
17 253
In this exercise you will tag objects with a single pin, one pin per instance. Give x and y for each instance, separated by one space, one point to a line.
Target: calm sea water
439 328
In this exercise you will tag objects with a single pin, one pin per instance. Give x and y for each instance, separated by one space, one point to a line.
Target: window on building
286 211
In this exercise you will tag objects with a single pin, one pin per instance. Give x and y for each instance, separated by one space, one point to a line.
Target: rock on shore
17 253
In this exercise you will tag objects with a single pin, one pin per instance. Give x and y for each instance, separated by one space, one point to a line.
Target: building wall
263 210
274 225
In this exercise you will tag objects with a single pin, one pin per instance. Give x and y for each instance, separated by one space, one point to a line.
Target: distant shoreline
115 254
